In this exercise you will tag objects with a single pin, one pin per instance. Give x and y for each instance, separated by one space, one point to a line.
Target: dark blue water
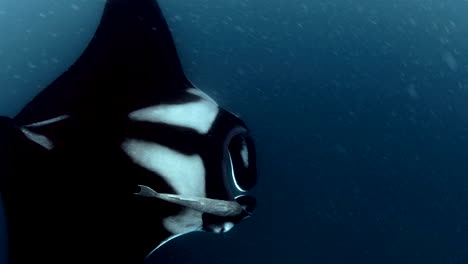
359 110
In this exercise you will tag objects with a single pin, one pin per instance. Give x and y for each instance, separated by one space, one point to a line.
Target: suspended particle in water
448 58
412 91
32 65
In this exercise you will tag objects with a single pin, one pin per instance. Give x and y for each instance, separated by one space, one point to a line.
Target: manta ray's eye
241 163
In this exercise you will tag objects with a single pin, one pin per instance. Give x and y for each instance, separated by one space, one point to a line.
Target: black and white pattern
121 152
186 173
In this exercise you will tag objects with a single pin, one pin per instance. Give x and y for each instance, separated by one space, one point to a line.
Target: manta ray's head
163 169
203 154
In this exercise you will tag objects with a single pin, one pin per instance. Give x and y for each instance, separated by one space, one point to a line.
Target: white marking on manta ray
222 229
49 121
39 139
164 242
188 220
198 115
233 175
185 173
228 226
201 94
245 154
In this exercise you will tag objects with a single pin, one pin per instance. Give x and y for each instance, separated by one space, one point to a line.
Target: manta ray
121 152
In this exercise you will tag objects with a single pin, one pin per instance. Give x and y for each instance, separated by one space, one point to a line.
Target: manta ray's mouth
239 168
216 207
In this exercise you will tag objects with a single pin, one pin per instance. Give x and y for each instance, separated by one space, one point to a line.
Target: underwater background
359 110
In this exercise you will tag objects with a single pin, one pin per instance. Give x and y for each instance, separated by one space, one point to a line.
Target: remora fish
121 152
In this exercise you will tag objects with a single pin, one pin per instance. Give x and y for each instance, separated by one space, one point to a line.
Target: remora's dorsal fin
131 54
